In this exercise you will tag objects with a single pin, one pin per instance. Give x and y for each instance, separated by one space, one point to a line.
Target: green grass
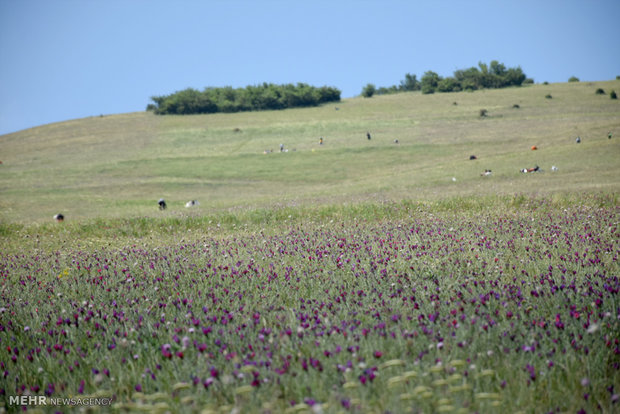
325 254
118 166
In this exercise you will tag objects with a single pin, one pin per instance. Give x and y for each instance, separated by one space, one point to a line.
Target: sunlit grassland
119 165
358 276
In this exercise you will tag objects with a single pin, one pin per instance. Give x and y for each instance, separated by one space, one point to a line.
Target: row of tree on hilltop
251 98
271 96
494 75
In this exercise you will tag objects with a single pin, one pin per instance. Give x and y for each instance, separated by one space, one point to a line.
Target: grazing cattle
368 135
530 170
59 217
578 140
162 204
395 141
191 203
473 157
534 147
321 141
554 168
486 173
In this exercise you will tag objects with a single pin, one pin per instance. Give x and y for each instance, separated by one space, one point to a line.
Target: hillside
120 165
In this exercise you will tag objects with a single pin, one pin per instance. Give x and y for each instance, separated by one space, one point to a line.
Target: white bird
191 203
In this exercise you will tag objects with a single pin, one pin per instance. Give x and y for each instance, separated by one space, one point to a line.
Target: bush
430 80
573 79
252 98
548 96
483 113
613 95
600 91
369 90
448 85
410 83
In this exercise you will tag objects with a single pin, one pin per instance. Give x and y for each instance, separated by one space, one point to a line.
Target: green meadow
388 275
118 166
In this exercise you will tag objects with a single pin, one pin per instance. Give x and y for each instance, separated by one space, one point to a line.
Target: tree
410 83
448 85
429 82
369 90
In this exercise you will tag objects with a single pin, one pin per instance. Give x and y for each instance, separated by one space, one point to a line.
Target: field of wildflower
512 309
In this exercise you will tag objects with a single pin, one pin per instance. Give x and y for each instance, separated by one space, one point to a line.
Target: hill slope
120 165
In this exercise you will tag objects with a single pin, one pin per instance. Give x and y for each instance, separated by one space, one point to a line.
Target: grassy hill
120 165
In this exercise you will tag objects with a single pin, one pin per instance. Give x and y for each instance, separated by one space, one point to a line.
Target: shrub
483 113
548 96
600 91
613 95
573 79
410 83
369 90
448 85
430 80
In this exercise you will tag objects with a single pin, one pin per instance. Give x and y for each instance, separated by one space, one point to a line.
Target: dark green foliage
430 80
386 91
369 90
494 75
600 91
410 83
573 79
613 95
448 85
252 98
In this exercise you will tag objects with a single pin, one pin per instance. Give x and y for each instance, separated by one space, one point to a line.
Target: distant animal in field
608 137
395 141
162 204
191 203
473 157
368 135
534 147
59 217
530 170
578 140
486 173
554 168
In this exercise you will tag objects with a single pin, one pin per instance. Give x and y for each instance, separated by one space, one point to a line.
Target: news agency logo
41 400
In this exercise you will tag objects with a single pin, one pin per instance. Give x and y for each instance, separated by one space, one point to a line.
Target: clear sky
68 59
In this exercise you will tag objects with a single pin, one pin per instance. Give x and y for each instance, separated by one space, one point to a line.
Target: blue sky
68 59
